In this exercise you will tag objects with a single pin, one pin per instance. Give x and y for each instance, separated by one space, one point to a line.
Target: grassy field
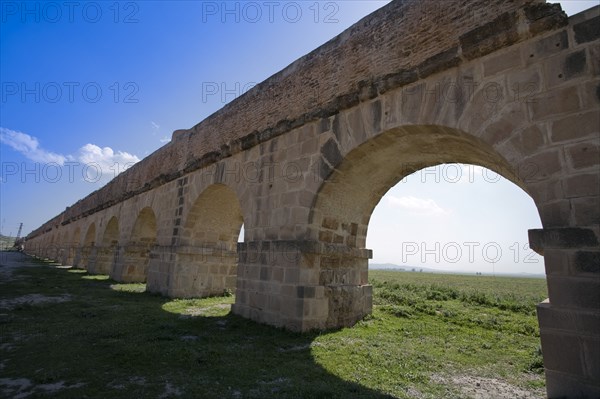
67 334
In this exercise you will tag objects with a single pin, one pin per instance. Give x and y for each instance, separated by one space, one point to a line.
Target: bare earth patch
18 388
488 388
32 299
170 391
205 311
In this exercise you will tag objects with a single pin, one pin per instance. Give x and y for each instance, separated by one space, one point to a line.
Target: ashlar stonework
303 158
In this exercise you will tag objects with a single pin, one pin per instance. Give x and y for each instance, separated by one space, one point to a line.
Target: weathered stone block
545 47
584 185
501 62
543 17
569 320
291 275
587 262
587 31
555 103
531 140
591 350
524 84
561 69
586 211
572 292
584 155
502 130
576 126
563 385
569 359
542 165
572 262
442 61
568 237
495 34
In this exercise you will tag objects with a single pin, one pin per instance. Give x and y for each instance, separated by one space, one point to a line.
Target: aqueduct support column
302 285
64 253
192 271
131 263
69 254
104 259
77 257
88 258
570 319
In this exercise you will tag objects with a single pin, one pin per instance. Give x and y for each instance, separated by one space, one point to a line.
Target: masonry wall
387 49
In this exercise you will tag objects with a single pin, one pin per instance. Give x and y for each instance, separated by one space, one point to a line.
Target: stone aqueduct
302 159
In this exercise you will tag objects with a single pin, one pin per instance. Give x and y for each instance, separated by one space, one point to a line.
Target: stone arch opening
52 248
106 251
346 200
455 217
74 249
111 233
207 256
343 206
87 248
132 265
64 248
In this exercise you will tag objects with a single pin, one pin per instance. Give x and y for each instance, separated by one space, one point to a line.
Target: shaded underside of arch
90 236
76 239
131 263
145 228
87 257
106 252
111 233
207 261
214 219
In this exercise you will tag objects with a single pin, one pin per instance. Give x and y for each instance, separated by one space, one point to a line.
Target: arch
111 233
132 264
144 229
74 256
90 235
52 246
430 218
107 250
345 201
207 256
64 248
76 238
215 218
87 249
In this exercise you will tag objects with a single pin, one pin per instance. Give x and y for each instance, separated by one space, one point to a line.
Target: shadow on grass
105 342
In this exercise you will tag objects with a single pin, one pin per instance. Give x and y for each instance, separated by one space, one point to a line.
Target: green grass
115 340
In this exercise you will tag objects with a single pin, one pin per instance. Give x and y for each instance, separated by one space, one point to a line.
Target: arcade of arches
516 90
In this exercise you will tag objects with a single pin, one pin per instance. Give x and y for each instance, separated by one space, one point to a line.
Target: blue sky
106 83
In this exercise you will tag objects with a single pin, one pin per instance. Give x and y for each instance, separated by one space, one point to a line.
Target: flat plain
67 334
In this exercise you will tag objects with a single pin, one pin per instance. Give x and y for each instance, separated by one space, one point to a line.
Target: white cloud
105 160
155 125
99 163
29 146
417 205
165 139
